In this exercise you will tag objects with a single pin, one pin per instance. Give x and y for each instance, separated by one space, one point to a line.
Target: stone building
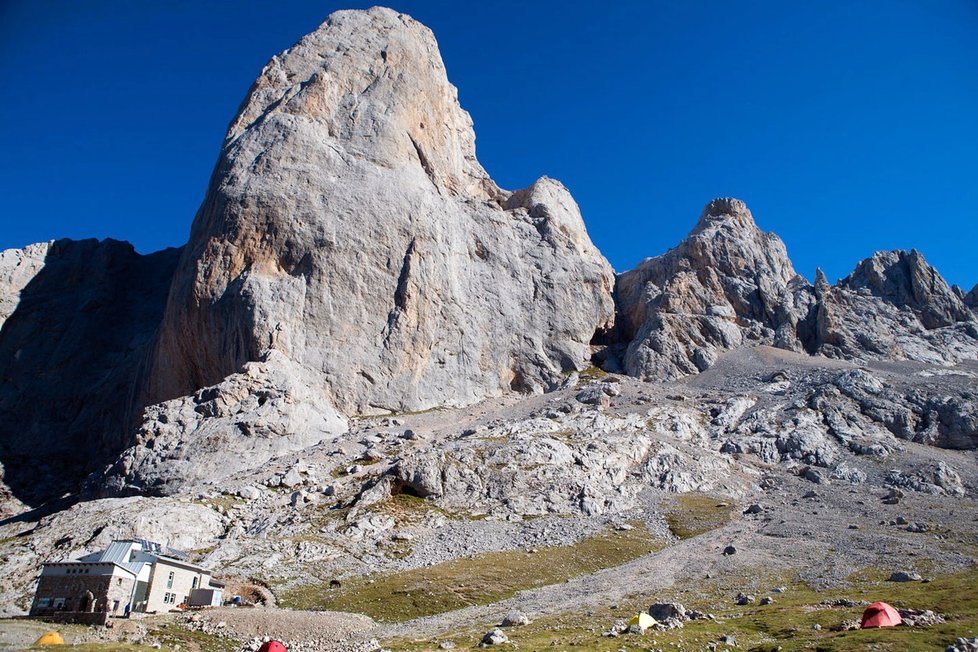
129 576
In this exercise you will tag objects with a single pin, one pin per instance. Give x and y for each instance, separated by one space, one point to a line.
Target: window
43 603
196 580
169 581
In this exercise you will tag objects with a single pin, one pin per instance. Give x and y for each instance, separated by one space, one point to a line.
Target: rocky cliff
729 285
350 227
78 321
353 258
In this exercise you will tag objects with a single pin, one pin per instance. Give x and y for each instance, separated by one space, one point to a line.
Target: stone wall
117 588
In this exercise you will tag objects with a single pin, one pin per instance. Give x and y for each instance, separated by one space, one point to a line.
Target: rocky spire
726 284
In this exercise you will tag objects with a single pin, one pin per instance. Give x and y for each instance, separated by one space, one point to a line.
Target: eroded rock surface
269 409
350 227
729 285
894 306
726 285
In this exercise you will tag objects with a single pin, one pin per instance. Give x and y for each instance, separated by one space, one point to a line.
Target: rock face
269 409
971 299
729 285
904 279
18 267
349 226
78 319
352 257
726 285
894 306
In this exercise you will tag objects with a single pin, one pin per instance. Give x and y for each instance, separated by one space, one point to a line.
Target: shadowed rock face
80 317
904 279
971 299
349 226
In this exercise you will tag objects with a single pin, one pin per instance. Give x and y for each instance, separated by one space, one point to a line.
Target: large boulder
349 226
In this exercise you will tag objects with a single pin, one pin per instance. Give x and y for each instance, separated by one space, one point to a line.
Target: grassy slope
787 623
480 579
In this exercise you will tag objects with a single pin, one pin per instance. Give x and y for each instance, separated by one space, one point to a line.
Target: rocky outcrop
894 306
905 280
570 461
729 285
79 319
726 285
18 267
269 409
971 299
349 226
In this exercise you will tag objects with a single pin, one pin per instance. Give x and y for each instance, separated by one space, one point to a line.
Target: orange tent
880 614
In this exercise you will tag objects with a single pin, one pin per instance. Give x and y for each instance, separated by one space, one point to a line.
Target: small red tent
880 614
275 646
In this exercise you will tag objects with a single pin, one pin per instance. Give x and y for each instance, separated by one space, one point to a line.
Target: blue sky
846 126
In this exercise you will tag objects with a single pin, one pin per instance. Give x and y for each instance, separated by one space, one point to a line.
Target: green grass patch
170 635
696 513
785 625
221 502
590 373
481 579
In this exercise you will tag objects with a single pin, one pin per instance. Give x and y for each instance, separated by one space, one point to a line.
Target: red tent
275 646
880 614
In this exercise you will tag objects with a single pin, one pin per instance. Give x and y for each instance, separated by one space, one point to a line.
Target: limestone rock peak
350 228
724 285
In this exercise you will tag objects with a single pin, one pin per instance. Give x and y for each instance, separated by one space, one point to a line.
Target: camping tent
880 614
50 638
272 646
642 621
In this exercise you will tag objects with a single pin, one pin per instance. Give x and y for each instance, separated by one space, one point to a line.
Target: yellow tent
642 621
50 638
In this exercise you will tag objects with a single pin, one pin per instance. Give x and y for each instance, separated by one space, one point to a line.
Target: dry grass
481 579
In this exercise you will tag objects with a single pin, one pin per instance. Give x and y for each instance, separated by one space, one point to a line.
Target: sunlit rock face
729 285
350 227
